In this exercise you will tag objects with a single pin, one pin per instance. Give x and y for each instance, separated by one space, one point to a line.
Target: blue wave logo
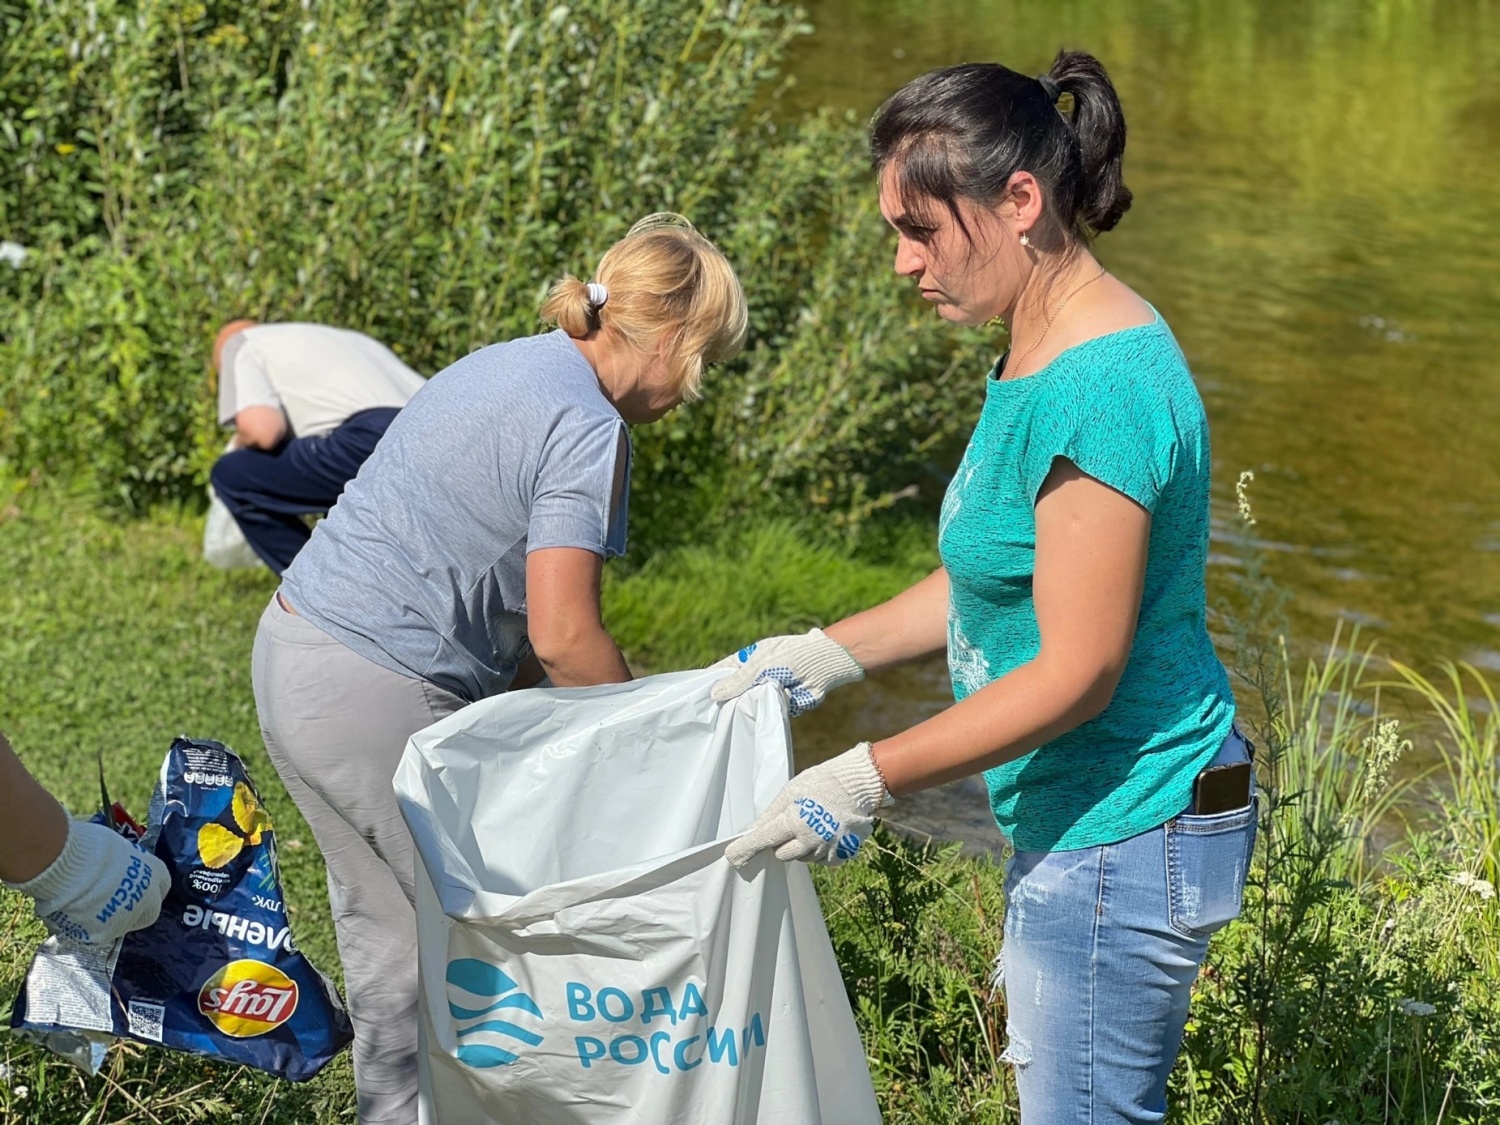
476 991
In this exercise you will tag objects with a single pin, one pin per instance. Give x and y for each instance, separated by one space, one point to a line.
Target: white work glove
99 888
808 666
823 814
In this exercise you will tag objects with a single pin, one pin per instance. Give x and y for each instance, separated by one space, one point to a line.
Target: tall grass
1359 984
1465 703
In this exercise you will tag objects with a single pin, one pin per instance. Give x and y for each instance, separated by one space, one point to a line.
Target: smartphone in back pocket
1221 789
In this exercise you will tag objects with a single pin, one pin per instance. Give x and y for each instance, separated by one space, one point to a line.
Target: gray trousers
335 726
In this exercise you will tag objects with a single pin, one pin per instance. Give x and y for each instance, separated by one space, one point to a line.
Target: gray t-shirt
421 565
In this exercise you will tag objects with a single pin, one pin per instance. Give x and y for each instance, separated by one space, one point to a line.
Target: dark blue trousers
268 492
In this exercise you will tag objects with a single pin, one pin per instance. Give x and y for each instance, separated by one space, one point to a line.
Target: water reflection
1316 215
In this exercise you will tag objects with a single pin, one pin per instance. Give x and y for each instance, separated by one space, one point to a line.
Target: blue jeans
269 491
1101 949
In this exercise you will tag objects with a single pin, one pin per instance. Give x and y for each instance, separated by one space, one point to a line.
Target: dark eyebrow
908 224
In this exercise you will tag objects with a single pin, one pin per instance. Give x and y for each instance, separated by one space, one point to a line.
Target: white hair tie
598 294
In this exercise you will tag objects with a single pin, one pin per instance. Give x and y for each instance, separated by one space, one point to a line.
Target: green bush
421 171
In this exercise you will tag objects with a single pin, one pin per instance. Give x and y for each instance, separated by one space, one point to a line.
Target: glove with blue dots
822 815
99 888
807 667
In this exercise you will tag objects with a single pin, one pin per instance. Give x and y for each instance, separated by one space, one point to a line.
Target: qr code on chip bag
145 1019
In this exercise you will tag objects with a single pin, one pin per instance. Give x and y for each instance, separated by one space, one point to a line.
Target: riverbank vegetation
1361 983
420 171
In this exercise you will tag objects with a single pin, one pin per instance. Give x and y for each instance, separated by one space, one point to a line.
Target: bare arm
260 427
33 826
1090 571
529 673
563 618
910 625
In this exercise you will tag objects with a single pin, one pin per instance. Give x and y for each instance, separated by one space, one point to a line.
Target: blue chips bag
217 974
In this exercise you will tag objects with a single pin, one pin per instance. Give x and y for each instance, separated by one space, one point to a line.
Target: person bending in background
90 884
474 537
308 403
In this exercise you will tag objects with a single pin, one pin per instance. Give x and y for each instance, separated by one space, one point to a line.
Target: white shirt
318 376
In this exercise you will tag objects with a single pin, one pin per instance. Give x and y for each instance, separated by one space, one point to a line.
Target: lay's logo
248 998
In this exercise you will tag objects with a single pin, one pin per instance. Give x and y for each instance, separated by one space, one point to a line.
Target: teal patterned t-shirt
1122 408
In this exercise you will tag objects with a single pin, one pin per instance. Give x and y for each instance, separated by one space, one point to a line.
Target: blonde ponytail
665 283
569 306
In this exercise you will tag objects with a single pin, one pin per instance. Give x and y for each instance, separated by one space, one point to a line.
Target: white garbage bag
224 543
588 956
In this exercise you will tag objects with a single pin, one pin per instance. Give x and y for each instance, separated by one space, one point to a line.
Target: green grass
117 637
692 605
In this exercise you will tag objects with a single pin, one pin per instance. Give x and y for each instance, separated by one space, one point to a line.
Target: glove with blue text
99 888
823 814
807 666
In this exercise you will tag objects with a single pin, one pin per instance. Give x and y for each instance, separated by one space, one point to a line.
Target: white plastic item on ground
224 543
588 956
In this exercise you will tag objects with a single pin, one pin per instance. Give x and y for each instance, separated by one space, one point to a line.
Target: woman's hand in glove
807 666
823 814
99 888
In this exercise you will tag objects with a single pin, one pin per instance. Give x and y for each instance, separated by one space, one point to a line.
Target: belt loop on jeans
1249 746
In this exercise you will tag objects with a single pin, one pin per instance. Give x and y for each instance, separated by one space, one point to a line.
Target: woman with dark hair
1071 599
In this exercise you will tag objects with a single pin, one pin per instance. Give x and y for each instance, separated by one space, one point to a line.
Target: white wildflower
1481 887
1242 496
20 1092
1381 751
5 1072
1410 1007
13 254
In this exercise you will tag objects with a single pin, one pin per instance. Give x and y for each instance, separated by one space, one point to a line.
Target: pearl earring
1024 240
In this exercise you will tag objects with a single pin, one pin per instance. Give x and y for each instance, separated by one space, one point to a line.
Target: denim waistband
1235 748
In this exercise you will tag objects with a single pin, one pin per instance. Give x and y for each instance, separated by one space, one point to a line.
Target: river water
1317 215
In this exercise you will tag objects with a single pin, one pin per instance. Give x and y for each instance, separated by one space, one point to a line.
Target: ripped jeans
1101 949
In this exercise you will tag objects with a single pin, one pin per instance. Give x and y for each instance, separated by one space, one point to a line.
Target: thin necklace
1055 314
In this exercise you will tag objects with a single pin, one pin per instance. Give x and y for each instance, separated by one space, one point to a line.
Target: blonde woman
465 560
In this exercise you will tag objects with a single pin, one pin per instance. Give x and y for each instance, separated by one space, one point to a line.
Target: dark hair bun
1099 124
964 131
